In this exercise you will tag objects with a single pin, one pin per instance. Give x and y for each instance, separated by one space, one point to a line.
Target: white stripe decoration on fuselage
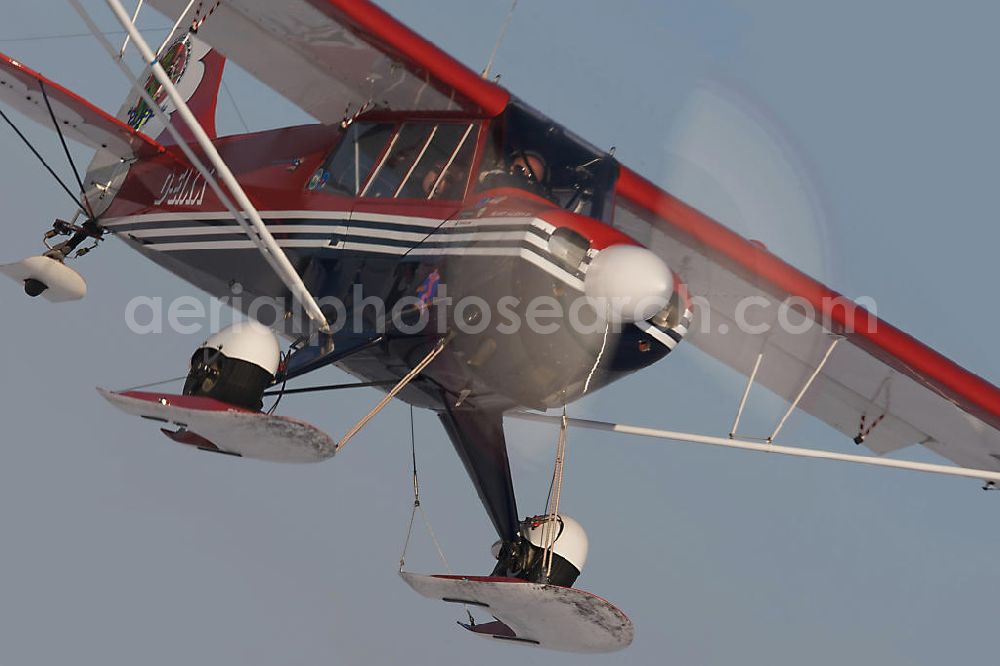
345 235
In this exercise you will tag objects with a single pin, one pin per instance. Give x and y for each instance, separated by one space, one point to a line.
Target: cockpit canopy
526 150
404 157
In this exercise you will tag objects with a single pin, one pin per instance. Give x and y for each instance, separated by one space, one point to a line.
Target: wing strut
805 387
249 218
173 29
794 403
746 394
948 470
400 385
135 17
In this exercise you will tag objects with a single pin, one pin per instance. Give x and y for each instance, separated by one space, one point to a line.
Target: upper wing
333 58
878 385
21 88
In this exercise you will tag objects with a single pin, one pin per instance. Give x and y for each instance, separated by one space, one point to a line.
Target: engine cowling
235 365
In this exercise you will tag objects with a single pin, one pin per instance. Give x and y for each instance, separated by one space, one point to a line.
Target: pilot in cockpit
530 166
440 182
525 169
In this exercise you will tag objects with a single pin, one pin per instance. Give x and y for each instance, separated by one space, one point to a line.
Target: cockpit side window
425 160
404 149
445 172
346 170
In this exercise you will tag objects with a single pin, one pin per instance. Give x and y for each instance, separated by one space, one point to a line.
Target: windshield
411 160
426 160
346 171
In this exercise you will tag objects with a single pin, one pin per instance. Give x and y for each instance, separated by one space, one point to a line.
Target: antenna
496 47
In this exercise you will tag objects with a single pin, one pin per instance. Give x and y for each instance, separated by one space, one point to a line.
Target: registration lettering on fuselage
184 189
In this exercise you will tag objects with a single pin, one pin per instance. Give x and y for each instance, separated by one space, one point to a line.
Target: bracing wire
496 46
413 452
152 384
236 107
418 507
281 392
327 387
550 530
69 156
67 35
42 160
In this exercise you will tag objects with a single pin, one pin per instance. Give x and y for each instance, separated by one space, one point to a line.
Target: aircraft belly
485 286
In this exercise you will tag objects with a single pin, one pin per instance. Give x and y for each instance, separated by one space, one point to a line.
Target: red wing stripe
91 114
883 341
381 30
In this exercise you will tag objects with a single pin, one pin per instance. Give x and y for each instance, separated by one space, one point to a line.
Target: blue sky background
117 547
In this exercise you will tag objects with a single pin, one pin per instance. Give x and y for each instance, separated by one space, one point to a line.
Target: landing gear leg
78 234
478 438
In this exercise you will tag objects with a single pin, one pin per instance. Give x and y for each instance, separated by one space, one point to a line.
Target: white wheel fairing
64 284
571 540
248 341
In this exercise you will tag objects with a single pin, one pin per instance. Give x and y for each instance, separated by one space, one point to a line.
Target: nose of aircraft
627 283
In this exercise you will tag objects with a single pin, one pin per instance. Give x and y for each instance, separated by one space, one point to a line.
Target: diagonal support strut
247 215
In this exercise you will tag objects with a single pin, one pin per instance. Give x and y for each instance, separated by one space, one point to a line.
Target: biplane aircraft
464 212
